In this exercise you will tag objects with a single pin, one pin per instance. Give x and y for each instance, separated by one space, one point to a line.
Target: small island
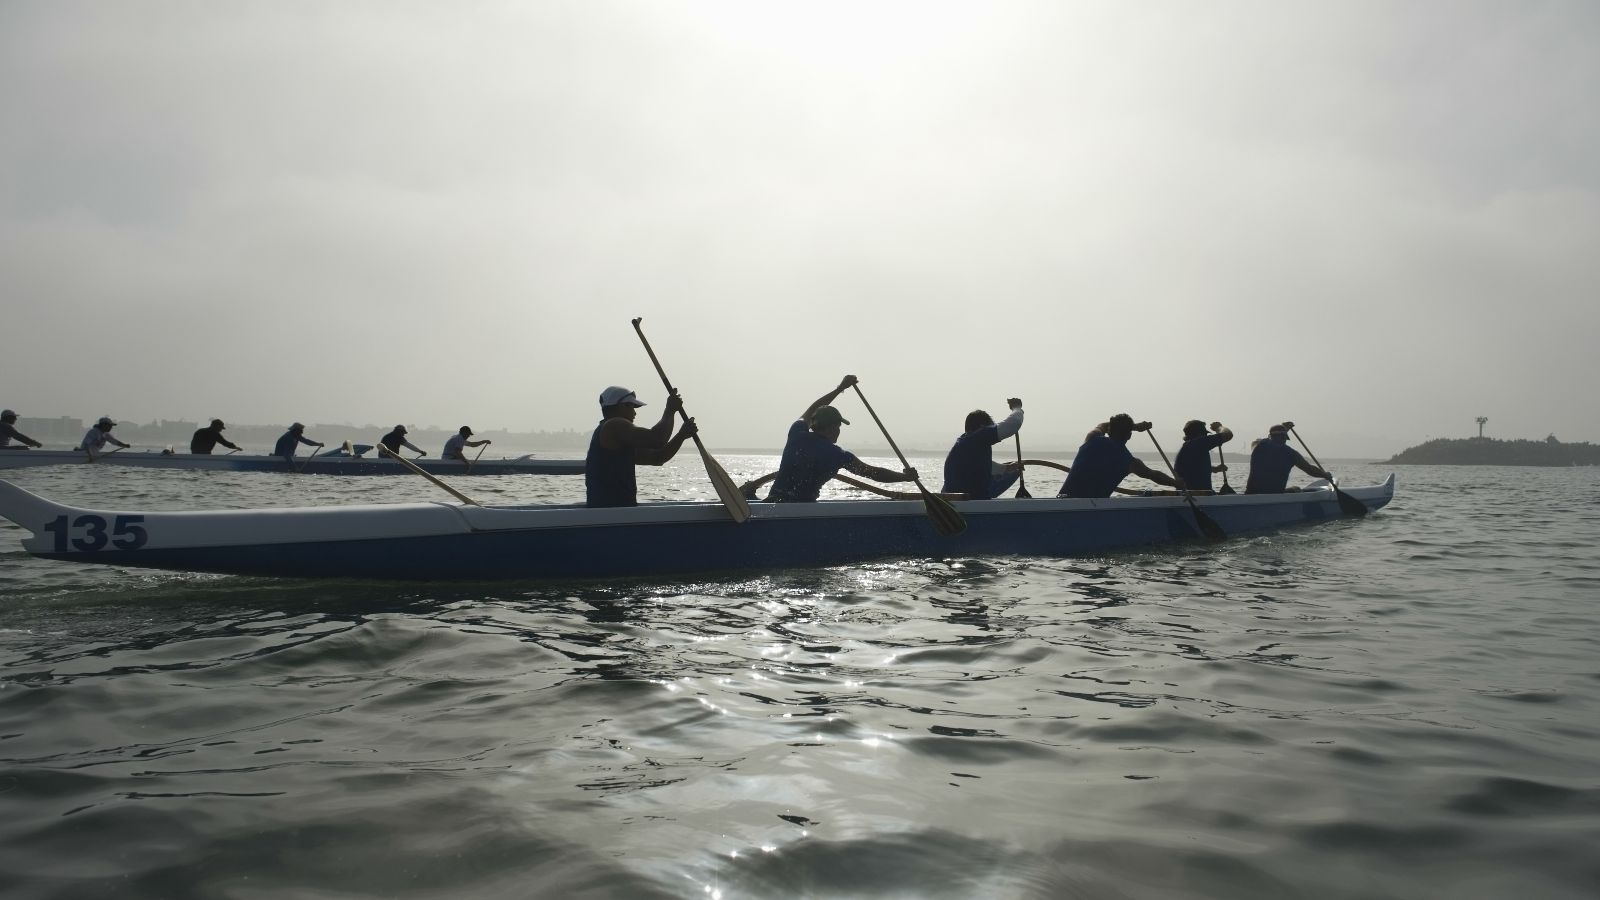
1482 451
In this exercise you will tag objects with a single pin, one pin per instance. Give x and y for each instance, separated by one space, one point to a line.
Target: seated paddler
1104 460
970 469
618 445
9 433
456 446
98 436
1273 460
206 439
1193 461
291 440
811 454
396 439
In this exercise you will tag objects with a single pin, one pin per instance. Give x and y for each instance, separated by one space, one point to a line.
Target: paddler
291 441
455 447
1273 459
811 453
1104 460
98 436
9 433
970 469
206 439
618 445
396 439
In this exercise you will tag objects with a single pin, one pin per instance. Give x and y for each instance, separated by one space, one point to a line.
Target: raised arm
1011 424
844 385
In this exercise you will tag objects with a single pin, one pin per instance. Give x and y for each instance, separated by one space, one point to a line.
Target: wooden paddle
475 456
946 520
1226 488
385 451
1208 527
738 508
1350 505
93 458
1022 479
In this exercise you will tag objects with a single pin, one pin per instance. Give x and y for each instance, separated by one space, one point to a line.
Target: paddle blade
1022 492
1348 504
946 520
1227 489
1209 526
728 492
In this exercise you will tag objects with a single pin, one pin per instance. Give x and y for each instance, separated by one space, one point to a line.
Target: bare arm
652 456
1138 467
877 474
844 385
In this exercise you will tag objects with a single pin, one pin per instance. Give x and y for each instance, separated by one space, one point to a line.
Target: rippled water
1404 706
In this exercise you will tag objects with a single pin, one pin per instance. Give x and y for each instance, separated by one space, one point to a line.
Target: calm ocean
1402 706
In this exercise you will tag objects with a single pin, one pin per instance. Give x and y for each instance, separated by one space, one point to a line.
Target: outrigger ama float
469 542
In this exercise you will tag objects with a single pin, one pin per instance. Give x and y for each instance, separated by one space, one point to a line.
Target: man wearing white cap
98 436
9 433
618 445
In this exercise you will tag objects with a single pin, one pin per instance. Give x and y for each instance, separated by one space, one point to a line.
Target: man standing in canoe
396 439
812 454
618 445
291 441
1193 462
1104 460
970 469
1273 459
98 436
9 433
206 439
455 447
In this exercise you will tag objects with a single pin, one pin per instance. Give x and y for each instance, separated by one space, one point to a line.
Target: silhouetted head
217 424
978 419
826 421
465 431
1194 428
618 401
8 416
105 423
1278 433
1119 427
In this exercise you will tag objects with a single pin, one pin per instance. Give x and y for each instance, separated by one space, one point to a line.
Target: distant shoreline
1495 452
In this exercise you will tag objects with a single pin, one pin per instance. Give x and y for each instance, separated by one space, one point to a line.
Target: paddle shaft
475 456
1208 527
738 507
1346 502
946 520
1022 478
385 451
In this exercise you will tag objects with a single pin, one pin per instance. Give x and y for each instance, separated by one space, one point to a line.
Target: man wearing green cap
812 453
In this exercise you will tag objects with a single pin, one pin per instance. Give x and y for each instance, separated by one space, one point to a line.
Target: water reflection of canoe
331 463
450 541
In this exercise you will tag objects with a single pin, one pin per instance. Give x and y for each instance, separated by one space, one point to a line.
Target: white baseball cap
618 396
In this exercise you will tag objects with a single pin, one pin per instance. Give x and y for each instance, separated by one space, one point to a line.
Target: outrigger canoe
331 463
464 542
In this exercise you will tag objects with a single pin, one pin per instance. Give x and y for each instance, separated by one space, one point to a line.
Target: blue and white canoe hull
446 541
328 464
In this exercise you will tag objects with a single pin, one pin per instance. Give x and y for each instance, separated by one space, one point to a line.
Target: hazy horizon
1378 220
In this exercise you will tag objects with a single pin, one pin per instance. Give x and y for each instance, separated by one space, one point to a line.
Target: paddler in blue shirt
811 454
1104 460
1193 461
291 441
1273 459
618 445
970 469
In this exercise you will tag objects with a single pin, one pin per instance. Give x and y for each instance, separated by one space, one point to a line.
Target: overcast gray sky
1378 219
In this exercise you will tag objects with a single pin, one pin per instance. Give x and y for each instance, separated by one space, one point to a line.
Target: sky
1379 220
